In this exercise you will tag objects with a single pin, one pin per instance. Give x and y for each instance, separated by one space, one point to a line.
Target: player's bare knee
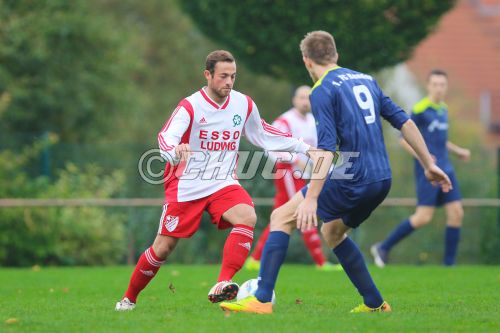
455 216
275 216
325 232
420 219
338 237
458 213
163 246
332 236
279 222
250 219
454 222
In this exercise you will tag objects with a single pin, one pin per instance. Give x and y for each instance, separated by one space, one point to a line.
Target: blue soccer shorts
351 203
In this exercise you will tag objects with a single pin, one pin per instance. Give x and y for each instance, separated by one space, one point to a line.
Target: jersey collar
211 101
320 80
439 107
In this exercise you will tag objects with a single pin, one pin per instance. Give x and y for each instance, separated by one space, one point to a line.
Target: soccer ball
248 288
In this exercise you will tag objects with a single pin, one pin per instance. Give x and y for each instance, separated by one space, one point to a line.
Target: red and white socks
236 249
144 271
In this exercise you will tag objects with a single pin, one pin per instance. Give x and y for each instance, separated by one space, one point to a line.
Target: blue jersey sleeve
392 112
322 109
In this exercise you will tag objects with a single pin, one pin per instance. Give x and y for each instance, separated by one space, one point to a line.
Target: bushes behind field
58 236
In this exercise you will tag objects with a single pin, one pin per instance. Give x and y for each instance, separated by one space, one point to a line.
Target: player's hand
306 214
437 177
464 154
183 151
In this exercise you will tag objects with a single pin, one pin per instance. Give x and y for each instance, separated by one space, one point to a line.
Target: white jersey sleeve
172 132
263 135
283 157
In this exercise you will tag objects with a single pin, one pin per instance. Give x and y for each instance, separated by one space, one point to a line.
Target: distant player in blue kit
431 117
347 106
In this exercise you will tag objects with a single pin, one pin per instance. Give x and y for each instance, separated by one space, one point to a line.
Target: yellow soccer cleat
248 304
385 307
252 265
329 267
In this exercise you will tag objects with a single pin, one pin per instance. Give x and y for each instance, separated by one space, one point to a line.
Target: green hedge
59 236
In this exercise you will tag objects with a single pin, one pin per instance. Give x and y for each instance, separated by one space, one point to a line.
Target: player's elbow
409 124
409 128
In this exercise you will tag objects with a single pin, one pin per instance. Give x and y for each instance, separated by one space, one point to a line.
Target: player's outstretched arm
433 173
410 150
462 153
407 147
270 138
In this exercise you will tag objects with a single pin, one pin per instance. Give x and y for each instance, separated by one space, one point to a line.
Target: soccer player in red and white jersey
300 123
200 142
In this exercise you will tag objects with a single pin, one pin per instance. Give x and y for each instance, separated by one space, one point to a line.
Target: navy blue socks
354 265
272 258
451 239
400 232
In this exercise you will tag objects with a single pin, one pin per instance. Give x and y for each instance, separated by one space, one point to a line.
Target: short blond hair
319 46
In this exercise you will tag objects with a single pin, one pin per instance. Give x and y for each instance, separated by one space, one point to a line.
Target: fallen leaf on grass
171 287
298 301
11 321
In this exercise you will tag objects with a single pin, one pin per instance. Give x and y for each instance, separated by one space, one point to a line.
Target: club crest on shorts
171 222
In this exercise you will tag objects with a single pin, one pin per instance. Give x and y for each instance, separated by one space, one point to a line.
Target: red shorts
182 219
286 187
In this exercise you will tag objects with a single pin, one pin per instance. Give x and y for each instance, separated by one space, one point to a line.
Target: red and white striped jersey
213 132
299 126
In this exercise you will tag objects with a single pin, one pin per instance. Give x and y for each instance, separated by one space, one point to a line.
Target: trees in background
370 35
104 71
64 68
113 70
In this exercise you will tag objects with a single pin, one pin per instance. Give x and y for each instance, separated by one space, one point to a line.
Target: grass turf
432 299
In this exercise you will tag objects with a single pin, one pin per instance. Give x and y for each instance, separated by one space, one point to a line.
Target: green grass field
424 299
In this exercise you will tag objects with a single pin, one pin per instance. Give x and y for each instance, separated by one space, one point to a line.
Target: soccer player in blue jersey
431 117
347 106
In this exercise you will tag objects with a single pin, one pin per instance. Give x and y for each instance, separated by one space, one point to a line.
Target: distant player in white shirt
200 142
299 122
